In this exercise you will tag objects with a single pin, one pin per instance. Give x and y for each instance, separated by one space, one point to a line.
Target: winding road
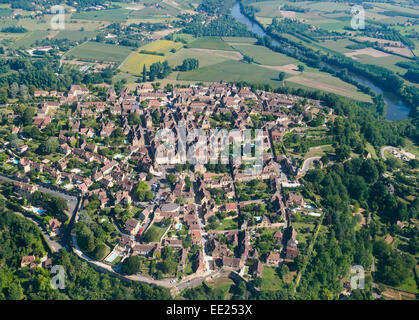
385 148
74 205
306 165
71 203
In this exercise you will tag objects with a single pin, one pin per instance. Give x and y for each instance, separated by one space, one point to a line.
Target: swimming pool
112 257
37 210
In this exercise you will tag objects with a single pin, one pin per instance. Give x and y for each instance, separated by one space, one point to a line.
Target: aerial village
180 219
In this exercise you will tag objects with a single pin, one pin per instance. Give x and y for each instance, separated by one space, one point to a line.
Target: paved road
195 282
306 165
54 245
71 203
385 148
188 282
71 200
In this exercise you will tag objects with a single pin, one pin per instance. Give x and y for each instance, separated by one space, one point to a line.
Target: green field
112 15
386 62
159 232
338 45
264 55
5 12
228 224
369 147
95 51
221 287
230 40
203 57
187 37
410 284
232 71
327 82
270 280
214 43
74 35
136 60
30 39
163 10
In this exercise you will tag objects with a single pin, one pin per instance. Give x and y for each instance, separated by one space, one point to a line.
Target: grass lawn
228 224
371 150
145 267
188 267
318 151
158 234
303 235
221 286
213 43
95 51
253 190
411 147
289 277
410 284
270 280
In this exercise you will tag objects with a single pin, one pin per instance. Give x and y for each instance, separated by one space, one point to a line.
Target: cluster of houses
33 262
194 107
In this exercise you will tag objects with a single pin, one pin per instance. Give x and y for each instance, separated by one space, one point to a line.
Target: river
396 109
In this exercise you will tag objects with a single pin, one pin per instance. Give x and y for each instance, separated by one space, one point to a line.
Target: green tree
142 192
171 178
342 152
28 115
49 146
100 251
85 238
281 76
144 73
131 265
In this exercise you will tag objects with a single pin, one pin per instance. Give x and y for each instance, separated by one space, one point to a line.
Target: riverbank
395 108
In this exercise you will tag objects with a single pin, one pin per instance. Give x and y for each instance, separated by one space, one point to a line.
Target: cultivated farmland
94 51
213 43
135 62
